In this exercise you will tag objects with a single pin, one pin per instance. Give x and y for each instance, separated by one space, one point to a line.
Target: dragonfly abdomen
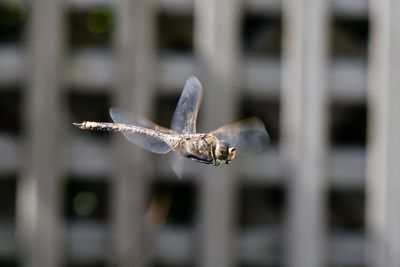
116 127
102 126
120 127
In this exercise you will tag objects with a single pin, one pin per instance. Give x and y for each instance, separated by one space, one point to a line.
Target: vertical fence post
39 195
304 144
383 213
217 47
134 46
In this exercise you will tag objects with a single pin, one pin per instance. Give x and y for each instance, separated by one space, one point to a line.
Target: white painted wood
134 44
10 154
93 70
347 248
90 69
92 158
384 130
304 123
89 241
39 208
88 157
8 243
350 8
217 48
12 64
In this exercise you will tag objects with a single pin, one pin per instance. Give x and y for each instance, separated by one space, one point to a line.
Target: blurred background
78 198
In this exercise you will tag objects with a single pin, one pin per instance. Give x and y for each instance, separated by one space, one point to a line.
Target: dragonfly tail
99 126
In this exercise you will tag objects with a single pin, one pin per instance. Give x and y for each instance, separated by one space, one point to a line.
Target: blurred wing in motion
185 116
184 167
177 164
147 142
249 134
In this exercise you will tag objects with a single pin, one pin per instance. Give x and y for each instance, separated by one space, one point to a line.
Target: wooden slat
134 46
347 167
173 71
91 69
39 194
14 2
8 242
176 6
10 154
12 65
87 242
216 42
350 8
348 80
261 77
89 4
174 246
94 70
265 7
347 8
304 137
260 246
92 158
86 157
347 249
384 126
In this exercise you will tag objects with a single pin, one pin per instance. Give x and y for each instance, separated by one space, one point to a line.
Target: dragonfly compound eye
222 151
231 153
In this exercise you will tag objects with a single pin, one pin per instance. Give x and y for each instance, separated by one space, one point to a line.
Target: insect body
216 147
204 148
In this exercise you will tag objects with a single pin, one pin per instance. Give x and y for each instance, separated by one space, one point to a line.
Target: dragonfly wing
185 116
184 167
120 116
150 143
177 164
249 134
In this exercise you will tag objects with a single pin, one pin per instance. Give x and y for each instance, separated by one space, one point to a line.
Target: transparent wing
185 116
177 163
249 134
184 167
151 143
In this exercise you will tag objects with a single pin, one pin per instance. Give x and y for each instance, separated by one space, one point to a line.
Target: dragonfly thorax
205 148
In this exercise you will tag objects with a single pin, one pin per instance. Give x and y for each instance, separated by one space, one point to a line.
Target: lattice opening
175 33
165 107
86 106
87 200
90 28
10 110
349 37
8 189
348 124
182 198
268 110
13 19
261 35
346 209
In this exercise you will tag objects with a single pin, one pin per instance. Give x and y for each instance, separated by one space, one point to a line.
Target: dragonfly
218 147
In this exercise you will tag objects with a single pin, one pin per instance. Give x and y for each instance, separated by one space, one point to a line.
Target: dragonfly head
224 153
